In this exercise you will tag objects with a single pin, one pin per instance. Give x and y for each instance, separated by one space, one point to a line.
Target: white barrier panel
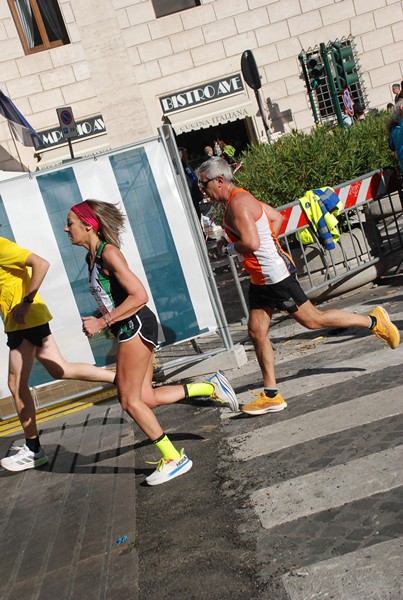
157 243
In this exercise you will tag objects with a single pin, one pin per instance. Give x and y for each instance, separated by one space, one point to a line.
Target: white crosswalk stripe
326 421
329 488
346 577
351 368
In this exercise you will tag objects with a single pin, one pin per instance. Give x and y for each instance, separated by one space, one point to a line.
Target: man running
252 228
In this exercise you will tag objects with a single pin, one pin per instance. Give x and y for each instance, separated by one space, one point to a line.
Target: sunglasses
204 184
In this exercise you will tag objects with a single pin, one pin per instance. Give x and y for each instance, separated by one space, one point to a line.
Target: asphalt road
303 504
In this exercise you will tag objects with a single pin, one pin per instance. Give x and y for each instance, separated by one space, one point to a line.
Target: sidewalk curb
65 407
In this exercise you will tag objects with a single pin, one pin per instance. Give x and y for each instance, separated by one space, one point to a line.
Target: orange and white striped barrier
351 194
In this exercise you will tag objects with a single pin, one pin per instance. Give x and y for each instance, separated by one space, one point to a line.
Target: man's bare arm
275 217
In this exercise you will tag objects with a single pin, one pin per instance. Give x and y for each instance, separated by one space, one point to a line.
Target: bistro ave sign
214 90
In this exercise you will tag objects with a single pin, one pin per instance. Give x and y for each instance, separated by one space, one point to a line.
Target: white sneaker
24 459
223 392
168 469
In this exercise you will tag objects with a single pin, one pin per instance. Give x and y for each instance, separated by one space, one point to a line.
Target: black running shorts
287 295
144 323
34 335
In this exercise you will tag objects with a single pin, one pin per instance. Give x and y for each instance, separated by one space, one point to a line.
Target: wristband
105 318
230 249
27 300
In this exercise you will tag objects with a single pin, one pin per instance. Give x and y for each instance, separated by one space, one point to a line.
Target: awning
212 114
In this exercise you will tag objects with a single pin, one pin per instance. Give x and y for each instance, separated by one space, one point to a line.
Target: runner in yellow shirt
26 323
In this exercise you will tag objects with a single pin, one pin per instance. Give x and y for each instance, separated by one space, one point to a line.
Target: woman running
122 301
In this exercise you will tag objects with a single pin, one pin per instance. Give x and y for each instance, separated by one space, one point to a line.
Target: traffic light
344 65
316 71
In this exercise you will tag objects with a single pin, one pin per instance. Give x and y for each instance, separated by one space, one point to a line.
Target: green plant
282 172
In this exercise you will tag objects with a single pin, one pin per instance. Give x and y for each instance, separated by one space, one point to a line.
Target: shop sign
85 128
212 120
207 92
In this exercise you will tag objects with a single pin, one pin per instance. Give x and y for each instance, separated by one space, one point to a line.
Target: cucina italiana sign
207 92
213 120
85 128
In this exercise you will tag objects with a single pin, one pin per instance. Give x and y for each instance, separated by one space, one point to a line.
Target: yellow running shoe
263 405
384 328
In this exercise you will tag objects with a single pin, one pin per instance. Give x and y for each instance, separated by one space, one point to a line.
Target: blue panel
60 191
155 244
5 229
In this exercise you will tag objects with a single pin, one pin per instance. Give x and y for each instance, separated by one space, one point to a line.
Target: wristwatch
27 300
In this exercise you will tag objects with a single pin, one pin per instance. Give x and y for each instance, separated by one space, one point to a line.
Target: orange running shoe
263 404
384 328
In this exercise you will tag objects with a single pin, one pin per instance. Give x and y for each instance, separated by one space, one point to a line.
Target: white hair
213 167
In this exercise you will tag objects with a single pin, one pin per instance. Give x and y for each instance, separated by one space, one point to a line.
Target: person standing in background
397 92
395 132
359 112
208 152
217 148
227 152
191 180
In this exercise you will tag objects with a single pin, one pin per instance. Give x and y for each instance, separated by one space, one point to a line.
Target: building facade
125 67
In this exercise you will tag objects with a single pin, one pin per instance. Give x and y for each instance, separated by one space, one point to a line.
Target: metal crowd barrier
371 221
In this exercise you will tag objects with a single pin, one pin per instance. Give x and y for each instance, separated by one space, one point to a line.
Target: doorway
235 133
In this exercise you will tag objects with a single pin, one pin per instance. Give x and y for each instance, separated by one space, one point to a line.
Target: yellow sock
192 390
166 447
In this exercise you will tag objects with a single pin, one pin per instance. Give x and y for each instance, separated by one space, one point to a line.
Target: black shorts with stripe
143 323
287 295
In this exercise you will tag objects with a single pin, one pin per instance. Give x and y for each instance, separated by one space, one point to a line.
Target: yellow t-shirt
14 281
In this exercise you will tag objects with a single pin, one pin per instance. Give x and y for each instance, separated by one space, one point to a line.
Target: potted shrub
282 172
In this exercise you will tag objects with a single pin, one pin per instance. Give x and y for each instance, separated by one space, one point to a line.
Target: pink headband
86 214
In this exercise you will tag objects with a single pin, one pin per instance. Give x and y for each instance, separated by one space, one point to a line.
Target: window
162 8
39 24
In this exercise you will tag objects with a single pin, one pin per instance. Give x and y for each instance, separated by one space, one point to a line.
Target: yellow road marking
13 425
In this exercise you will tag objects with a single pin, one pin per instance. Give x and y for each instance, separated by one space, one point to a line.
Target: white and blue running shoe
223 394
168 469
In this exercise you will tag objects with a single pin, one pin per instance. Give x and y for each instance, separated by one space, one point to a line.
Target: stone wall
121 59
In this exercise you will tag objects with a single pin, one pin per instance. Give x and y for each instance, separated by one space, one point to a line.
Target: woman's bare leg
133 370
162 395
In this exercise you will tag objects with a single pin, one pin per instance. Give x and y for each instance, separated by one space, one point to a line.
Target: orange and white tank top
270 263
